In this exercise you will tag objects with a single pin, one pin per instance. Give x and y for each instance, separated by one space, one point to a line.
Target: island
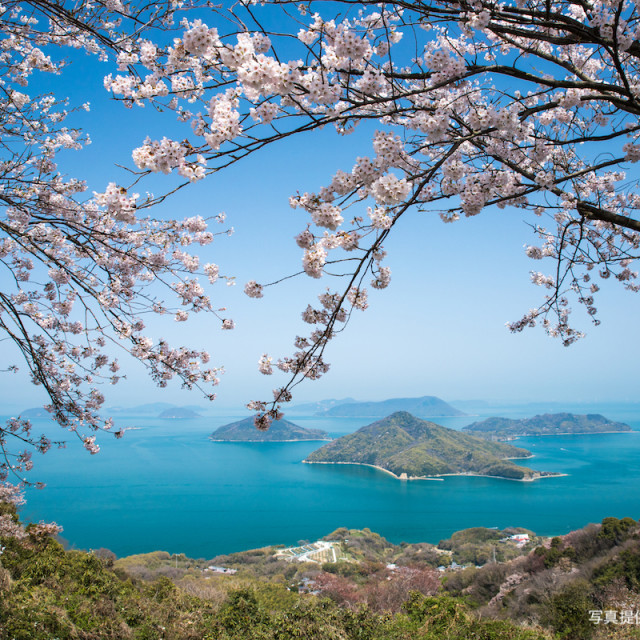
151 408
410 448
549 424
279 431
319 407
425 406
35 412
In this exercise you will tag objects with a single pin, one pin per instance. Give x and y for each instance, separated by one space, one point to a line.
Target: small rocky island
410 448
549 424
279 431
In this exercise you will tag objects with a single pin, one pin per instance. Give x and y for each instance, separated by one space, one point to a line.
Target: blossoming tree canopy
82 270
473 105
525 105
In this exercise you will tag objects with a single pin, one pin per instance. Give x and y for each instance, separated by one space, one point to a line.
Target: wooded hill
280 431
404 444
546 425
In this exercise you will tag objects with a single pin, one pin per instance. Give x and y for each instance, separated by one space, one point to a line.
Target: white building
520 537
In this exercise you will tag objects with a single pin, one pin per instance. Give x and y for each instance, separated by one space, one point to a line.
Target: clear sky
438 330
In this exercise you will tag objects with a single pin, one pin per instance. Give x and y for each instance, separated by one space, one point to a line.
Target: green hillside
546 425
280 431
404 444
556 590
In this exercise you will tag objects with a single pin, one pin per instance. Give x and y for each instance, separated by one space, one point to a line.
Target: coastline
509 438
439 477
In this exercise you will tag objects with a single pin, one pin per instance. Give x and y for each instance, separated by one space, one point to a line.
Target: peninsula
280 431
411 448
549 424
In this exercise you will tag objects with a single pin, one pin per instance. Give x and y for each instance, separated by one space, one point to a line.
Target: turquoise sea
165 486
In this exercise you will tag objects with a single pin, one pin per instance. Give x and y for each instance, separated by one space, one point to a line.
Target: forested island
411 448
280 431
549 424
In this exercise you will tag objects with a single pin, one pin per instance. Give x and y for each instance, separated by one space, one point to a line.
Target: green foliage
61 594
473 535
505 469
568 611
615 531
349 569
242 611
421 555
597 567
445 618
548 424
364 544
624 566
360 546
9 509
479 545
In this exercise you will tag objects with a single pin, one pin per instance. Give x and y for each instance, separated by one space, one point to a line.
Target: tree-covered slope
565 585
404 444
48 593
547 424
426 406
280 431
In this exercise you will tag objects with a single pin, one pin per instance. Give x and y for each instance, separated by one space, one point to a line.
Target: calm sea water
166 486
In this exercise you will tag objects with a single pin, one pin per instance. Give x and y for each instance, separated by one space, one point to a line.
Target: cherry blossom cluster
78 267
477 105
470 106
10 525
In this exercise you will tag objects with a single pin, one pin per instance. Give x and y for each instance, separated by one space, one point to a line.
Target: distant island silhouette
424 406
280 431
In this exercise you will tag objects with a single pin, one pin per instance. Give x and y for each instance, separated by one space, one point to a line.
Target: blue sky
439 328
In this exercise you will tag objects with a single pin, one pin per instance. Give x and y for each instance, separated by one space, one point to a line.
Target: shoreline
568 433
440 477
